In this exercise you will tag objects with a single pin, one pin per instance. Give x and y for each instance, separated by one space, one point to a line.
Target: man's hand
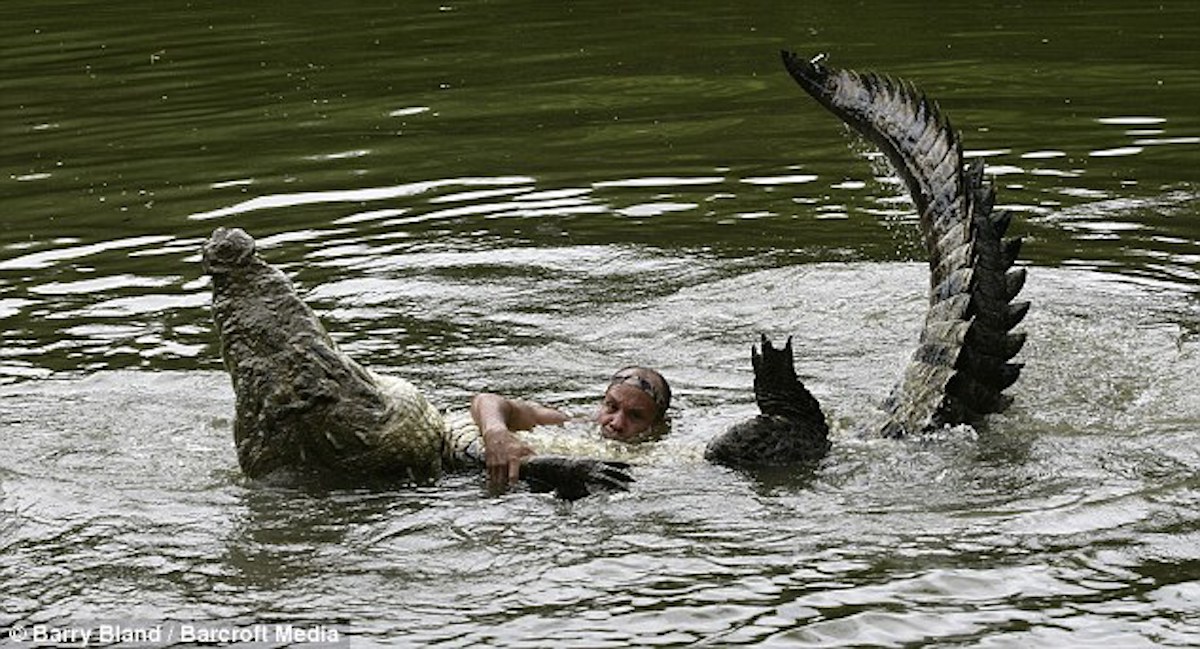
497 417
503 454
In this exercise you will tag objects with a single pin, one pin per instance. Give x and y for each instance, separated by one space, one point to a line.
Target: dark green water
522 197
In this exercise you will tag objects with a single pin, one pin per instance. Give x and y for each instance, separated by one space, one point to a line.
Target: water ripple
276 201
48 258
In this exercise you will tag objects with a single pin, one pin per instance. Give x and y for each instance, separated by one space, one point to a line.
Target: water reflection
509 196
153 276
348 196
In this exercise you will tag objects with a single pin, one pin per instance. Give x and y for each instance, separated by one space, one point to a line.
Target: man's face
626 412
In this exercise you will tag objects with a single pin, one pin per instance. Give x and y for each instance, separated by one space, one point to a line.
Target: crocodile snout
226 249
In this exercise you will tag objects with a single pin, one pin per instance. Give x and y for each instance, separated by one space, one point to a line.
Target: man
635 404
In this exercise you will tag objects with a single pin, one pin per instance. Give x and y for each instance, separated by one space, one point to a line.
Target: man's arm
497 417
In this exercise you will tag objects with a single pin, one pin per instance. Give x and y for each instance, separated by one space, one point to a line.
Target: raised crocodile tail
964 362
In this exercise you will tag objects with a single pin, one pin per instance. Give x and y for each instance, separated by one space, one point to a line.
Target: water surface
521 197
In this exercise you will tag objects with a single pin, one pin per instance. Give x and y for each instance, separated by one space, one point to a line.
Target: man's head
635 402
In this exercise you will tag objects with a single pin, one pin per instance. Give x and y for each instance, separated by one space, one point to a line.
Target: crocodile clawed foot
572 478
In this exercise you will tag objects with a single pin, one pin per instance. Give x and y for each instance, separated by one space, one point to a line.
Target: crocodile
302 406
963 361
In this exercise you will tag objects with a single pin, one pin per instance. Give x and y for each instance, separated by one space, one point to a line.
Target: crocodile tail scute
963 363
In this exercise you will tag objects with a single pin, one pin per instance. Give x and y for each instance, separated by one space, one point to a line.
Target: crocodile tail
963 364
